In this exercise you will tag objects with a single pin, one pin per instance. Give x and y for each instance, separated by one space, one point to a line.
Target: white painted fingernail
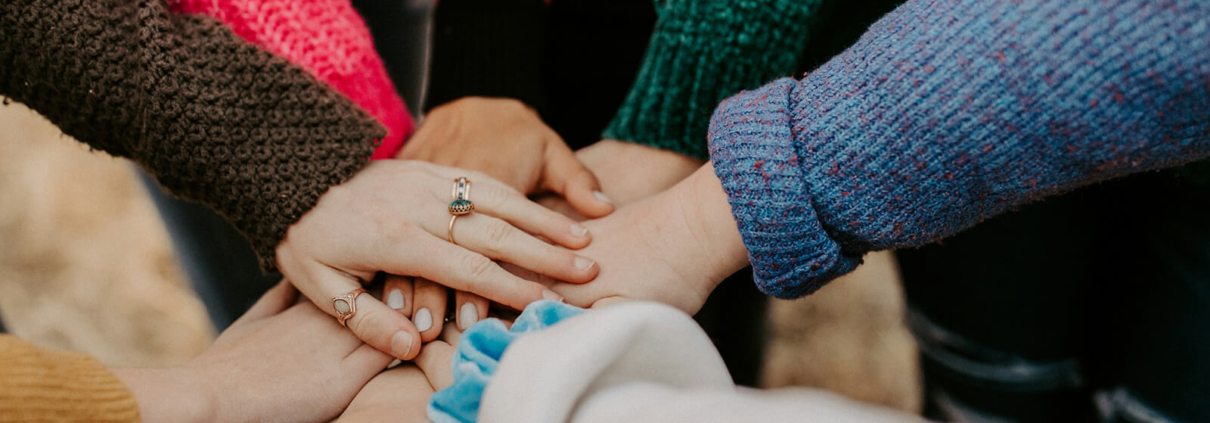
601 196
423 320
551 296
401 344
468 315
395 299
583 263
578 230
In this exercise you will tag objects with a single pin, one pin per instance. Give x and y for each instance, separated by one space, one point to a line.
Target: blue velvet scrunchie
478 354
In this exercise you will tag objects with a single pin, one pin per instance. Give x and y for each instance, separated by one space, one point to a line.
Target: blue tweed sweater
947 112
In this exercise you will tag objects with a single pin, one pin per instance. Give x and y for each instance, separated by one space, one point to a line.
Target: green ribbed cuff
703 51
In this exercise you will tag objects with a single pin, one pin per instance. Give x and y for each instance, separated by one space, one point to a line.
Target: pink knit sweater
327 38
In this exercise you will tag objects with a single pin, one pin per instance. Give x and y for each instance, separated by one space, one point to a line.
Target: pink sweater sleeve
328 39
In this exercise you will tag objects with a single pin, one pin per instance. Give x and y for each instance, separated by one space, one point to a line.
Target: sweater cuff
43 385
700 53
755 156
488 48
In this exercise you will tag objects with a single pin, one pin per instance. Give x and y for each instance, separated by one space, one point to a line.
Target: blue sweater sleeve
947 112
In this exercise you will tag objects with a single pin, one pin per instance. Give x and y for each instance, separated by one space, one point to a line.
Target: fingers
435 362
493 198
566 176
428 308
460 269
471 309
275 300
367 361
397 294
373 322
499 240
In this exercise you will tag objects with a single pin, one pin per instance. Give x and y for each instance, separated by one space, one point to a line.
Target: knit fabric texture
39 385
488 48
938 118
478 354
701 52
214 119
330 40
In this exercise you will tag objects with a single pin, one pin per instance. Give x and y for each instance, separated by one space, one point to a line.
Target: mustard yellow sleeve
38 385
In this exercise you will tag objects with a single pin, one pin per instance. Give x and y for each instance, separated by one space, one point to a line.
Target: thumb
566 176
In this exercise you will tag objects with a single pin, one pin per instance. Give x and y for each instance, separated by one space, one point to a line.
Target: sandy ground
86 265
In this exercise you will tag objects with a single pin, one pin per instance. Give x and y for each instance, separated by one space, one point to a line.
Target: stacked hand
393 217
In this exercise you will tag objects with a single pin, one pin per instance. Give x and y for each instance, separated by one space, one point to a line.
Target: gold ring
462 189
346 305
462 205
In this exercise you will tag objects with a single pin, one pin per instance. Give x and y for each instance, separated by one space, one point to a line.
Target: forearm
214 119
700 53
939 118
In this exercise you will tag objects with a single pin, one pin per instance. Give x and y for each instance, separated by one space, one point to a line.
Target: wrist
708 215
170 395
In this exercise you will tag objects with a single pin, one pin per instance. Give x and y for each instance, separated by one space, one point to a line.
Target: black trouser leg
734 317
998 311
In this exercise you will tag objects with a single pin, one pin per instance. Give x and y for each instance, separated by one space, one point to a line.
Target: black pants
1094 306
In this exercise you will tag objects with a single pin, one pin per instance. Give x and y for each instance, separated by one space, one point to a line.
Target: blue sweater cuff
753 149
478 355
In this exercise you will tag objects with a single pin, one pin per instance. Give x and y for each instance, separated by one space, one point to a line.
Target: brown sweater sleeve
39 385
215 120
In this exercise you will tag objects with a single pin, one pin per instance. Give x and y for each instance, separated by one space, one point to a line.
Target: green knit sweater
702 52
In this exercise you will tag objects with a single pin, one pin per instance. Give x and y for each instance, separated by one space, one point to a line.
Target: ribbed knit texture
488 48
214 119
703 51
328 39
948 112
39 385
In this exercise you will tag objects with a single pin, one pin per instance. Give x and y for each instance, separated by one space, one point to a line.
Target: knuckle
477 267
498 233
372 327
497 196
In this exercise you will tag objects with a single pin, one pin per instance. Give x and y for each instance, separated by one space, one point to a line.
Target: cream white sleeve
643 362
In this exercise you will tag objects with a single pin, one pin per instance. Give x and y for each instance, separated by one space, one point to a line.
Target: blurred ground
85 265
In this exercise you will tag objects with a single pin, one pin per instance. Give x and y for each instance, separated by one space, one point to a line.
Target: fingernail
468 315
551 296
401 344
578 230
395 299
423 320
601 196
583 263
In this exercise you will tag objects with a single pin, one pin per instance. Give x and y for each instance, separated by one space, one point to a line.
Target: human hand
393 217
396 395
402 394
280 362
628 172
508 141
674 247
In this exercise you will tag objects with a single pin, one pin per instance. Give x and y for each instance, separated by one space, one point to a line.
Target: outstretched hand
392 217
674 247
506 140
280 362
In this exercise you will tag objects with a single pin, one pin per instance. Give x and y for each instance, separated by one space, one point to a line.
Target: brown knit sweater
47 386
215 120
